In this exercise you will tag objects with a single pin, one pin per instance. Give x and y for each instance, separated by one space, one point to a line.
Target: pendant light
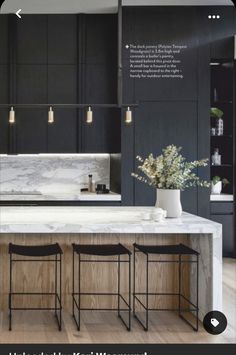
50 115
89 116
128 116
12 119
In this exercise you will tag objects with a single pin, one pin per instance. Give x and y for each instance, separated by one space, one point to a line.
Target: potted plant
218 114
170 173
217 183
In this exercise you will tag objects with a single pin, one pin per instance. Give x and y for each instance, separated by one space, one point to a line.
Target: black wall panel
101 40
31 39
222 32
62 39
99 77
4 83
3 39
62 84
157 125
165 25
60 59
100 84
31 84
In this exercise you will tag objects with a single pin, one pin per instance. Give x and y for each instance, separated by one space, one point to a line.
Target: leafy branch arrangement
170 170
216 112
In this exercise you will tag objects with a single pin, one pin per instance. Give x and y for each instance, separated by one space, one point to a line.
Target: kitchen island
66 225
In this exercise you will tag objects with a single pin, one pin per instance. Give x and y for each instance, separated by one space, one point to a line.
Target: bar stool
35 252
178 250
106 250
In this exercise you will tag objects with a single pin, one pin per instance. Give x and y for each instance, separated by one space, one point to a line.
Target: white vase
169 200
217 188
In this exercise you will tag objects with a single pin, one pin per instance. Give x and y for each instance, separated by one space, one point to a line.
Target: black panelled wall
172 110
60 59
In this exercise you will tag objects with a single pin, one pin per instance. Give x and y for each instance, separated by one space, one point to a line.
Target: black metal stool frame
76 303
56 294
179 294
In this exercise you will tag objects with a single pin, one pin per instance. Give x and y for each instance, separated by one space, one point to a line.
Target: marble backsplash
47 174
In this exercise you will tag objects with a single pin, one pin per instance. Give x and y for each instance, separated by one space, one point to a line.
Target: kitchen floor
102 327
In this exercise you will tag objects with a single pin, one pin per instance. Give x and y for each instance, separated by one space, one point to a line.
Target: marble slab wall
65 173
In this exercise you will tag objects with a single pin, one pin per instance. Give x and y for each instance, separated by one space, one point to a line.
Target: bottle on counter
216 157
93 186
90 183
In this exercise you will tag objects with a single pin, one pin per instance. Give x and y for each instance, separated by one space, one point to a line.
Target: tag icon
214 322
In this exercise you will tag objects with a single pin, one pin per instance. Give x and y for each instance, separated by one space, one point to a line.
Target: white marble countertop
204 235
222 197
37 219
83 196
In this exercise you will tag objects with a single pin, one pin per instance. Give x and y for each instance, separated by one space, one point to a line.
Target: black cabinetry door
157 125
99 84
222 32
227 222
59 59
222 212
29 81
4 85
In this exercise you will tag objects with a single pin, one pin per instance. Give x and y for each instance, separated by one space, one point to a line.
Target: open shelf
222 97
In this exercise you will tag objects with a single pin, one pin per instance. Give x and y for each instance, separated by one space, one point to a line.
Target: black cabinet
158 124
31 39
4 83
171 110
62 39
222 32
59 59
99 83
227 222
223 213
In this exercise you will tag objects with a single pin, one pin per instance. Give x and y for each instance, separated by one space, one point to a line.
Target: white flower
170 170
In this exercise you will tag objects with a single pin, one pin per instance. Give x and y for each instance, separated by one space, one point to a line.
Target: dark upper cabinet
31 124
31 131
222 32
31 84
62 39
4 83
59 59
4 98
62 84
99 84
100 40
158 124
31 40
164 26
4 39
